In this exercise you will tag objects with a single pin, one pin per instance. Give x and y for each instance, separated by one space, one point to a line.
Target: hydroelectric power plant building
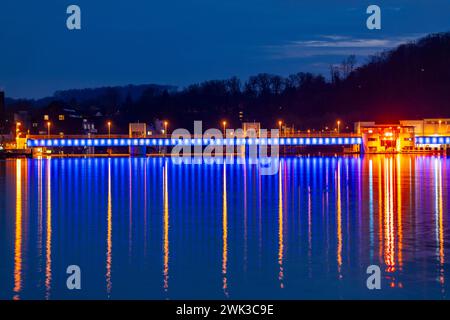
406 136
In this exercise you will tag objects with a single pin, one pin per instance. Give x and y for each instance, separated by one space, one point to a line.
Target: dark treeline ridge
411 81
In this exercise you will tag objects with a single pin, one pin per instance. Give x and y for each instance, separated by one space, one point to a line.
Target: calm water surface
151 229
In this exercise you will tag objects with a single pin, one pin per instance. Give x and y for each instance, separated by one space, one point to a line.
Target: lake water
147 228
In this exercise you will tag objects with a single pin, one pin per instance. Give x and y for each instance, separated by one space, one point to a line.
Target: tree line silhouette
408 82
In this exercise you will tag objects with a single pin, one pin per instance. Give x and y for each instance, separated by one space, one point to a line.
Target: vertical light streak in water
280 228
439 218
145 208
224 233
166 228
40 215
309 232
109 235
371 227
18 233
339 218
399 214
260 216
48 244
245 218
389 245
130 222
380 211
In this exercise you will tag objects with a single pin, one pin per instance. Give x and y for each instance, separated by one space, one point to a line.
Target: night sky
179 42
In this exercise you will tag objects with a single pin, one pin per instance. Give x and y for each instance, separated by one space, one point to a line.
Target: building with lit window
2 112
429 127
406 136
385 138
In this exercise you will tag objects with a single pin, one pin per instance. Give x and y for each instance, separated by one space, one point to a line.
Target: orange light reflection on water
280 228
18 233
224 233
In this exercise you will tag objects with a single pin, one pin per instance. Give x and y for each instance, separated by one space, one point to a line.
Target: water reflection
166 229
109 235
18 232
398 185
439 218
280 227
339 218
318 220
224 233
48 240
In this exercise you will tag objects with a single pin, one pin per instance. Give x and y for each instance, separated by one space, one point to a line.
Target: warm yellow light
48 124
388 134
280 123
338 122
109 123
19 124
224 123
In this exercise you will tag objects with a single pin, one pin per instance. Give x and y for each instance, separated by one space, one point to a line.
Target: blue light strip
432 140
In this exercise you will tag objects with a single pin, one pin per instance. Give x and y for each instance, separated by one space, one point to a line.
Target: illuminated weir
428 135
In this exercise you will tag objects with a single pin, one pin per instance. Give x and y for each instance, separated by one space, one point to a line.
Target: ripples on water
149 228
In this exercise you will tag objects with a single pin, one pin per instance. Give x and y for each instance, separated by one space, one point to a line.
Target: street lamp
224 123
48 127
165 127
109 129
338 124
279 125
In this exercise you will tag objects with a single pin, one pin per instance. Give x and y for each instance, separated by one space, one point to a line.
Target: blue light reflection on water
149 228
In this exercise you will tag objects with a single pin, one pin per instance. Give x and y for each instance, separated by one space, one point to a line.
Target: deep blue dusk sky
179 42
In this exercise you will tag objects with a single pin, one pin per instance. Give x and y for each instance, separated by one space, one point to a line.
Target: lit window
61 117
46 117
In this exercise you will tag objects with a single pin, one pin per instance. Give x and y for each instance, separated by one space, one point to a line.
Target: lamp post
48 127
224 124
279 125
338 124
165 127
109 129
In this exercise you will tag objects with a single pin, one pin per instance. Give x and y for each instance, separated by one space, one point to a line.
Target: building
255 127
62 120
137 130
429 127
385 138
2 112
401 137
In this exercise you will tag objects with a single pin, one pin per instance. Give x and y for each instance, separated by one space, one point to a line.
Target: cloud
332 45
